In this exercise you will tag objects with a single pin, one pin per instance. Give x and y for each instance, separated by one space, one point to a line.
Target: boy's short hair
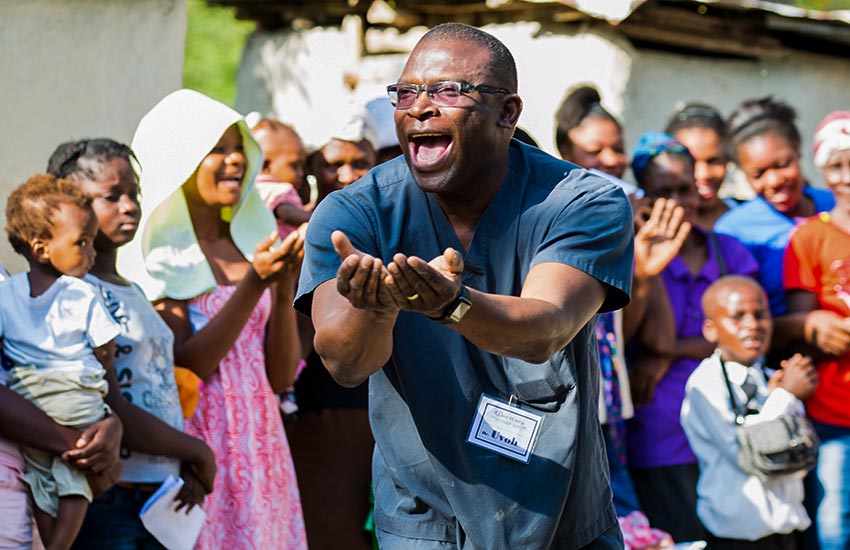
33 204
721 285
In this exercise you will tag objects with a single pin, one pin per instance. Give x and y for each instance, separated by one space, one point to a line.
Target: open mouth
705 190
231 180
427 150
752 341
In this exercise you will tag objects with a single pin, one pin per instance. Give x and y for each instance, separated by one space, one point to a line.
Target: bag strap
739 413
722 269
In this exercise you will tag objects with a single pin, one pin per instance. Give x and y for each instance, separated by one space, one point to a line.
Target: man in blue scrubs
462 280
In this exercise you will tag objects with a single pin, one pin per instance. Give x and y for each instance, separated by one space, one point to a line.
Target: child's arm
145 433
202 351
708 420
283 349
291 214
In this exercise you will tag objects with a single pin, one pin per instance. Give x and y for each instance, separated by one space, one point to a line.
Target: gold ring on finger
412 298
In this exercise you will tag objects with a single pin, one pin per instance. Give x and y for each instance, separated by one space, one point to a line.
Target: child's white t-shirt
57 329
144 366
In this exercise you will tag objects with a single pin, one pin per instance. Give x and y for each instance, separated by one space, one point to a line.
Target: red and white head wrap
831 135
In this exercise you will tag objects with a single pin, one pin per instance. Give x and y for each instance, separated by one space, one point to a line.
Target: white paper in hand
174 530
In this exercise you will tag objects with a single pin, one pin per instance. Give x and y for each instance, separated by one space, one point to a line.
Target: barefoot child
58 337
739 510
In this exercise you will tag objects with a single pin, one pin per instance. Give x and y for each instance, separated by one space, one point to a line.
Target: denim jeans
833 476
112 523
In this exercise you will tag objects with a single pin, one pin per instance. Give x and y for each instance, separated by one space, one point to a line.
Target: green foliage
214 43
823 5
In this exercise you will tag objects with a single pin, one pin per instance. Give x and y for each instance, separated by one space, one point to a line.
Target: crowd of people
431 342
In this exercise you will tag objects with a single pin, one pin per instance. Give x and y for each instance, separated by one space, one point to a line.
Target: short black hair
64 162
756 117
502 64
697 115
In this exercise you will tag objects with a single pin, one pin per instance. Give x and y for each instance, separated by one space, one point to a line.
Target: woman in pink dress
226 290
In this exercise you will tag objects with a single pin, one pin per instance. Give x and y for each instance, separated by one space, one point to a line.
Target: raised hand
425 287
273 262
660 238
360 278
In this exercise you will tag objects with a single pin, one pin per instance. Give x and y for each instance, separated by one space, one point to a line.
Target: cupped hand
272 263
799 376
360 278
660 238
99 446
425 287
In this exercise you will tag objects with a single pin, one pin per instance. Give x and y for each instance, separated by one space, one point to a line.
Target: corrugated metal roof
738 28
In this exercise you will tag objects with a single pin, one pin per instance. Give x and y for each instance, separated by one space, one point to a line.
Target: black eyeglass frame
460 88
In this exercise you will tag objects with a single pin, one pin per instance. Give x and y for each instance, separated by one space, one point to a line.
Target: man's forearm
353 344
525 328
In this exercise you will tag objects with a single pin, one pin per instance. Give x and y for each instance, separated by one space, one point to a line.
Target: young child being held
57 337
282 173
739 510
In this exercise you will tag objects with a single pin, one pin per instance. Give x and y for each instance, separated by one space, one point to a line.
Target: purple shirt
655 436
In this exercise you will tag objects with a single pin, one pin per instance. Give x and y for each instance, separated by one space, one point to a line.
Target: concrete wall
814 85
299 77
79 68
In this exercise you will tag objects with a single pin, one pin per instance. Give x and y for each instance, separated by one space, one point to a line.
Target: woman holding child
103 170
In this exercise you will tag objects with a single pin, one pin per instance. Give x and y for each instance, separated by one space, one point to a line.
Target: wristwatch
455 311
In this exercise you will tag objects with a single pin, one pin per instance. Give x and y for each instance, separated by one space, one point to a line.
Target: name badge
504 428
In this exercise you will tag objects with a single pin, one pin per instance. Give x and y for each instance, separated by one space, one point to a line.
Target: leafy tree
823 5
214 43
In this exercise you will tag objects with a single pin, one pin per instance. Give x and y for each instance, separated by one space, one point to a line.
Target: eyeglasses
442 94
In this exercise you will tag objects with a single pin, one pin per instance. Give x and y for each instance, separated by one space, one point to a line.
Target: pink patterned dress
255 504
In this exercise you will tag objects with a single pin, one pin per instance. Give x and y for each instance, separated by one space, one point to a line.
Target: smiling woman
218 179
226 293
765 141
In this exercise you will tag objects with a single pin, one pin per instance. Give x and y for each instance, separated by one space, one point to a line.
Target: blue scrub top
430 483
765 231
